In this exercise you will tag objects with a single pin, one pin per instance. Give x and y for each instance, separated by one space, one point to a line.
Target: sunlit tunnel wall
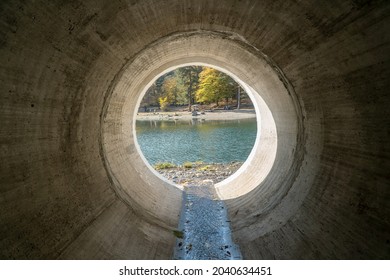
74 185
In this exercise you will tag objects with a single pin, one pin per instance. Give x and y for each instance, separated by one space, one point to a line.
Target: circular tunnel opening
195 123
266 178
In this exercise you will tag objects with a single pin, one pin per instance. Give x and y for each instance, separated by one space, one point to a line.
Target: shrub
164 103
206 167
164 165
187 164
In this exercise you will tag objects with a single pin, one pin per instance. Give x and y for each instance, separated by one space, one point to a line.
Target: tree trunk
189 98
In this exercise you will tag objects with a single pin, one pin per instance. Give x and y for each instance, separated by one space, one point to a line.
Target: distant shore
208 115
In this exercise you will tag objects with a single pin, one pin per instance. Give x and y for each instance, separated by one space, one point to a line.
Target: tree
238 97
190 78
188 84
214 86
152 95
174 89
169 90
227 86
164 103
208 83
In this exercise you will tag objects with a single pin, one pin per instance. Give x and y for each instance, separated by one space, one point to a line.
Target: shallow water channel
204 227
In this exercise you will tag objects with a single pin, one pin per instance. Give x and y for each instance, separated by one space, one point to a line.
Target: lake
210 141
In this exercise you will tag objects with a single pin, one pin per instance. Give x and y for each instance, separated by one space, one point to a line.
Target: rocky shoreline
196 173
209 115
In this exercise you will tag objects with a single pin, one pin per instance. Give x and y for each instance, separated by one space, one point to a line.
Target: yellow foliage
164 103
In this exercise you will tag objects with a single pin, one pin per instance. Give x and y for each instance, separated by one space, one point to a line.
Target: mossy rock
187 164
178 234
164 165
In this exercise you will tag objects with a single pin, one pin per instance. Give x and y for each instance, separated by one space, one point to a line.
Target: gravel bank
199 172
214 115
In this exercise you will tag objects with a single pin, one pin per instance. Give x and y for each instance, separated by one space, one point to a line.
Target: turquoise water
195 140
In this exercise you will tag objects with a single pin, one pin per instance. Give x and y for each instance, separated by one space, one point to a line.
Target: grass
164 165
178 234
206 167
187 164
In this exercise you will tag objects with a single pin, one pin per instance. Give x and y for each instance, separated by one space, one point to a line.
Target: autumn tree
174 87
190 84
153 94
214 86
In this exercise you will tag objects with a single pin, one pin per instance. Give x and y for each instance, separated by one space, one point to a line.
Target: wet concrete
204 228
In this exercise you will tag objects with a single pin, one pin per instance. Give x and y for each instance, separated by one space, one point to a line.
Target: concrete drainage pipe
74 184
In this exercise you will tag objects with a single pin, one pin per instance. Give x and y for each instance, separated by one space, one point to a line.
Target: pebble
216 172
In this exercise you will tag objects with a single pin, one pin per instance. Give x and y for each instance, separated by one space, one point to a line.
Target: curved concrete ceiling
73 184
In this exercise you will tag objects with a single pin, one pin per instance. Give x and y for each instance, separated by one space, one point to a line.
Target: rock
200 172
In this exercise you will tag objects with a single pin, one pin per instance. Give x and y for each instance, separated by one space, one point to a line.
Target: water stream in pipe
204 228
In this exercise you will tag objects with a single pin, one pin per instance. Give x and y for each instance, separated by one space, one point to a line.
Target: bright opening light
196 123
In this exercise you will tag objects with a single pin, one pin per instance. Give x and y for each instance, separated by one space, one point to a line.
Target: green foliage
187 164
164 165
153 94
206 167
190 79
189 85
173 89
178 234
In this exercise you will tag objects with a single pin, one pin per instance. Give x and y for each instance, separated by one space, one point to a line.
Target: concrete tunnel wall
68 188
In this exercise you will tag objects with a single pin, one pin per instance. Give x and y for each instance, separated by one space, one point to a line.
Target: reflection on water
212 141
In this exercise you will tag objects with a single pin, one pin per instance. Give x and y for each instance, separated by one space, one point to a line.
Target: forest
195 85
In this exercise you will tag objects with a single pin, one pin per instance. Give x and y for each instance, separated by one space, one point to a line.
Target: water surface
211 141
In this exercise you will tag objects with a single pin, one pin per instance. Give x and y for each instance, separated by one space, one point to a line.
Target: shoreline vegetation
194 173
